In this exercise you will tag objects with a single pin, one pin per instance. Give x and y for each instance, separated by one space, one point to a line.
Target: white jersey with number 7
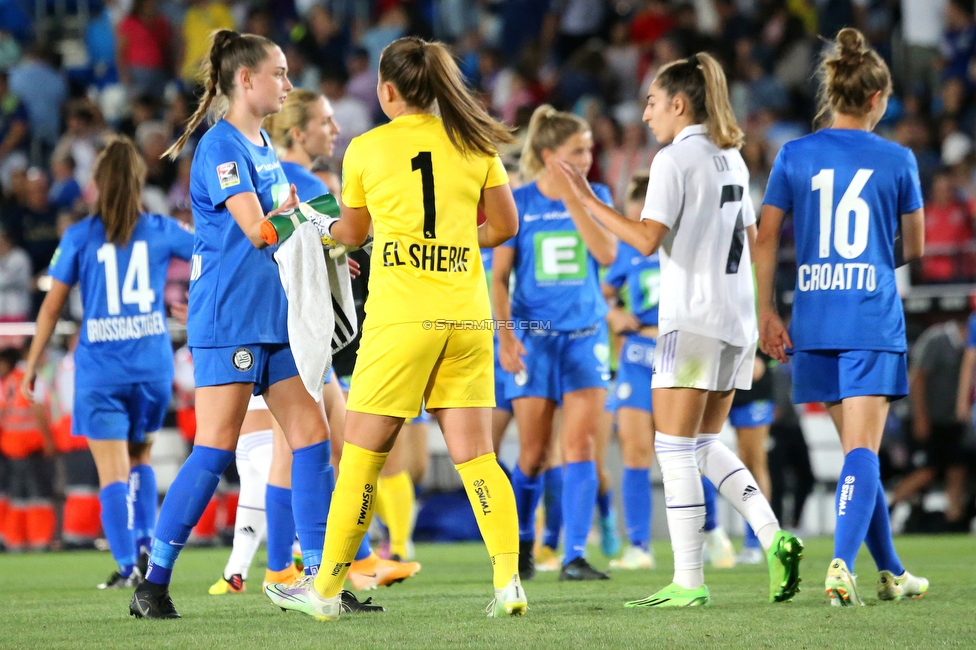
701 193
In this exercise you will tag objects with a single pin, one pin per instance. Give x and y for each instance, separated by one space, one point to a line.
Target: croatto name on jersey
125 328
842 276
427 257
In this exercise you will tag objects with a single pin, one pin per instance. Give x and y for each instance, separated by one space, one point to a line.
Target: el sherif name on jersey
427 257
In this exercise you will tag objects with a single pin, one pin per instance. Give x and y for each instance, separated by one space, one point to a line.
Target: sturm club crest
243 359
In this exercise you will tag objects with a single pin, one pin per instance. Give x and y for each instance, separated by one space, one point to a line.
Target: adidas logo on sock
247 530
749 492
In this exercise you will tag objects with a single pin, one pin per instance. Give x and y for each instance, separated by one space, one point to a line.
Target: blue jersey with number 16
847 190
123 337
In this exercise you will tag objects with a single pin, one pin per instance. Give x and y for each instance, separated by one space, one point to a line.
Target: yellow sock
394 503
493 502
349 515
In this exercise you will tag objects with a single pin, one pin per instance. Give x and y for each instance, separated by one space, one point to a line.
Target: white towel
321 311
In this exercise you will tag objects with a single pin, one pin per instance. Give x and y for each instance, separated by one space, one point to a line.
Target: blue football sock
579 500
635 491
281 527
857 495
115 521
878 538
604 502
552 498
185 502
527 492
750 540
364 549
145 502
312 482
710 493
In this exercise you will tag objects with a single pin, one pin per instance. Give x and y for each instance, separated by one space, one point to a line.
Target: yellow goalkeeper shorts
401 366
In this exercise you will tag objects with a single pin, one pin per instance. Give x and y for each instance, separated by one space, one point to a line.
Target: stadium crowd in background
594 58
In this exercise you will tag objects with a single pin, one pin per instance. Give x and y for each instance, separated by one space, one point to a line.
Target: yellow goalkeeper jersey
422 195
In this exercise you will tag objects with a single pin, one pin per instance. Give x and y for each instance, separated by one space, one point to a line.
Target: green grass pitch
50 601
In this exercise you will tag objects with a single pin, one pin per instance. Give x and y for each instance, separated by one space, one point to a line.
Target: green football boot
674 595
783 559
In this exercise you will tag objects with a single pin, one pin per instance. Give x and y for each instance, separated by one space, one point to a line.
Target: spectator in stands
351 113
9 50
65 191
362 80
39 221
153 140
15 281
14 132
41 85
391 26
100 44
145 51
958 42
202 18
937 431
921 32
83 139
321 41
948 234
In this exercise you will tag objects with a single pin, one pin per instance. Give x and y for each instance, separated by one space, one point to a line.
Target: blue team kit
124 358
249 342
557 283
847 190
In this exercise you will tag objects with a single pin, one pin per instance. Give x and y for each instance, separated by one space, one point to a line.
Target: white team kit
707 326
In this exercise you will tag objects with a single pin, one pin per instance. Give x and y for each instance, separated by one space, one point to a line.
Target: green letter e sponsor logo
559 256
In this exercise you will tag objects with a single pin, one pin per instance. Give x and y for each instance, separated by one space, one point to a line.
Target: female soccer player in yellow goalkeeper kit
427 336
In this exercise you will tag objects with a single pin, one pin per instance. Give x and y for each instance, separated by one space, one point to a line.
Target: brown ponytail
702 80
119 174
425 74
849 76
229 52
548 129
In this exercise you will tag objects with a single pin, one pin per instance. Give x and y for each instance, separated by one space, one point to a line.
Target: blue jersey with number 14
847 190
123 337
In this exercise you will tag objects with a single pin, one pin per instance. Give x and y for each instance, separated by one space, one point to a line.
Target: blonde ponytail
548 129
701 79
719 118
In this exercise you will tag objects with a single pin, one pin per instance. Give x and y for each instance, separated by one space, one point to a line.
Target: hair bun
850 43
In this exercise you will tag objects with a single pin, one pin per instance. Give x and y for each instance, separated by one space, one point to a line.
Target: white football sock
685 506
253 463
736 483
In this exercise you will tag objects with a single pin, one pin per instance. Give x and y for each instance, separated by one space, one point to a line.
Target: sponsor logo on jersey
242 359
546 216
367 500
846 494
483 495
227 175
266 167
